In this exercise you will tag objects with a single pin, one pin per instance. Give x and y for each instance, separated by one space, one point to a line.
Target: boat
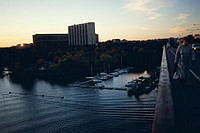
123 71
6 72
143 78
103 78
103 74
89 77
96 80
99 85
110 76
115 74
132 83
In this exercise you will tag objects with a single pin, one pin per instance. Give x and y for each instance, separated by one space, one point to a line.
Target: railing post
164 114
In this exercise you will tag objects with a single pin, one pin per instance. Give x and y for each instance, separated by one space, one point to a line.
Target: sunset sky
124 19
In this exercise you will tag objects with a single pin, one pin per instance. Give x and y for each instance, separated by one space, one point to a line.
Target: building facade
97 38
82 34
51 39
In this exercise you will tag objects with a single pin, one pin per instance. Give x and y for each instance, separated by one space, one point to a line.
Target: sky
123 19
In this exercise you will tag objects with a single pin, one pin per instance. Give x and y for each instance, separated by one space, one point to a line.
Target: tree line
61 63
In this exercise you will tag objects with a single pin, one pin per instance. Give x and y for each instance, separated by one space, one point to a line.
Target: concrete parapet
164 114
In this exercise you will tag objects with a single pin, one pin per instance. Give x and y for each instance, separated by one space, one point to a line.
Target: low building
51 39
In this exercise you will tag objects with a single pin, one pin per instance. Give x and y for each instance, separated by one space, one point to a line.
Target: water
81 111
123 79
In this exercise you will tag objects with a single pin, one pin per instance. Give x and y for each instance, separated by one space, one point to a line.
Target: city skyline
123 19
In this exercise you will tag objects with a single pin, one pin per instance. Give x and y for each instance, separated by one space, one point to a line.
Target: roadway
185 97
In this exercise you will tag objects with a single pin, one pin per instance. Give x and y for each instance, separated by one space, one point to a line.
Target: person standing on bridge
183 60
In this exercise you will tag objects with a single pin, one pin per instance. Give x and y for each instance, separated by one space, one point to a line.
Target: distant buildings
78 35
82 34
50 39
116 40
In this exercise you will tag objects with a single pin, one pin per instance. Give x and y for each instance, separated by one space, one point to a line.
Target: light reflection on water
81 111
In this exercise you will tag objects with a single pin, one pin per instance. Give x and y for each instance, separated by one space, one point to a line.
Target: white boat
123 71
104 78
96 80
100 85
115 74
103 74
89 77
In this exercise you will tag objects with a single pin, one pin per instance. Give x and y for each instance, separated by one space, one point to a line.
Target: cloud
144 28
149 7
182 18
181 27
177 30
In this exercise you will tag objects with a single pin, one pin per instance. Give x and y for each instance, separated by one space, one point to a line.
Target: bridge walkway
186 99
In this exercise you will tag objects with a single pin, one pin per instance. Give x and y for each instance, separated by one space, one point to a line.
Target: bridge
177 106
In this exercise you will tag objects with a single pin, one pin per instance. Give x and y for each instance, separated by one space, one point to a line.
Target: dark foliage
60 63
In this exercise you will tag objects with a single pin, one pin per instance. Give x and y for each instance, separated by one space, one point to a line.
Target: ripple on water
81 110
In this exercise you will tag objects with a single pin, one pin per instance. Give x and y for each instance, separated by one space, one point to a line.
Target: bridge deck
186 102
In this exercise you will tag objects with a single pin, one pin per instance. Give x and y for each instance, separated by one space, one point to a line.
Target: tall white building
82 34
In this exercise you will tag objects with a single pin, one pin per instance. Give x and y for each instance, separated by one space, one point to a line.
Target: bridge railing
164 114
